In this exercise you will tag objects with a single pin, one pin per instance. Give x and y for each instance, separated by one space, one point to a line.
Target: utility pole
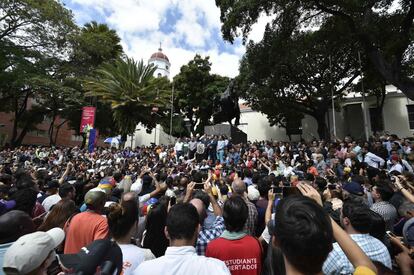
332 98
364 104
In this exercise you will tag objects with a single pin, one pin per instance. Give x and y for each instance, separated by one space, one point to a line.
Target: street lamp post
172 111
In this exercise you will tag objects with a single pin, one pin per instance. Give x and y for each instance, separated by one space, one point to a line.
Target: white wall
396 116
142 138
257 127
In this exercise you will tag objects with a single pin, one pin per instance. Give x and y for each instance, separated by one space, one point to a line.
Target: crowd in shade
206 205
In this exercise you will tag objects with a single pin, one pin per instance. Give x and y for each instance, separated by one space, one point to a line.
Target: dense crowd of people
206 205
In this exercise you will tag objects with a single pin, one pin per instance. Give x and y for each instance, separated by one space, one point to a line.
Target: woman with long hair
154 236
59 214
123 223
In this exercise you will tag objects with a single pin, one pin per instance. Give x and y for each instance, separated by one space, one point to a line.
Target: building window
38 133
376 119
47 119
76 138
410 111
166 67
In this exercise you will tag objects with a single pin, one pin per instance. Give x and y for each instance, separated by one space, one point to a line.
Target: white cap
252 193
31 250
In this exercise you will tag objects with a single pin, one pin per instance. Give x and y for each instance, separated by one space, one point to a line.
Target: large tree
383 29
196 90
92 46
287 76
34 42
134 95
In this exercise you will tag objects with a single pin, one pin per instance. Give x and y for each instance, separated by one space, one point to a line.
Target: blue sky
184 27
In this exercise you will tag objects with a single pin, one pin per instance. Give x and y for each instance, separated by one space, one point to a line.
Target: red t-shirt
83 229
242 256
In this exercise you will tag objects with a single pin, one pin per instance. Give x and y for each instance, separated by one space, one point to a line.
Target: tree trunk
18 111
51 129
21 136
57 130
14 133
323 130
390 73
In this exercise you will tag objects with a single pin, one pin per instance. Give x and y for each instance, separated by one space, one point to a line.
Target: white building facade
397 117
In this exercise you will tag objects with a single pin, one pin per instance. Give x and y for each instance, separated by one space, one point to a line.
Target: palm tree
132 91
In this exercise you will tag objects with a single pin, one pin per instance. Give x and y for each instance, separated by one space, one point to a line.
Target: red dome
159 55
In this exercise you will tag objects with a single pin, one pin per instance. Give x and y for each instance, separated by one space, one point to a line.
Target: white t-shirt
132 256
50 201
178 146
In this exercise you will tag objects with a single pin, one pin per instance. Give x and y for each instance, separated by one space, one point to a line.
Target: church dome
159 55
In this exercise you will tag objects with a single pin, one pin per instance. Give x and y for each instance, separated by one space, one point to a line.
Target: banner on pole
88 118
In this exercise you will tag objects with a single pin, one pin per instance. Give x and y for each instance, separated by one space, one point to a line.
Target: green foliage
196 91
94 45
383 29
132 92
41 25
44 56
286 77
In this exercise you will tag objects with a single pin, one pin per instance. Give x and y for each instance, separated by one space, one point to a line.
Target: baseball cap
52 184
354 188
94 197
100 253
394 157
252 193
31 250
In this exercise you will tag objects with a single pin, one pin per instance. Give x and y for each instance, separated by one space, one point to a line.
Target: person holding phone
206 234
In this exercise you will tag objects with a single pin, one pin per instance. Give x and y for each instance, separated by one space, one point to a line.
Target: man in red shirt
86 227
241 253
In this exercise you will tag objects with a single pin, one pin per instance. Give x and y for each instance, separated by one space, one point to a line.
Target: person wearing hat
394 164
13 225
33 253
52 195
354 188
82 229
104 255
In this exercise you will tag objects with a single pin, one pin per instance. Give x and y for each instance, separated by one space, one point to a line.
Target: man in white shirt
178 148
181 257
372 159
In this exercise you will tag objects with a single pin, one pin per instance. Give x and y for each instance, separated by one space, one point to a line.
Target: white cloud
139 23
257 30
